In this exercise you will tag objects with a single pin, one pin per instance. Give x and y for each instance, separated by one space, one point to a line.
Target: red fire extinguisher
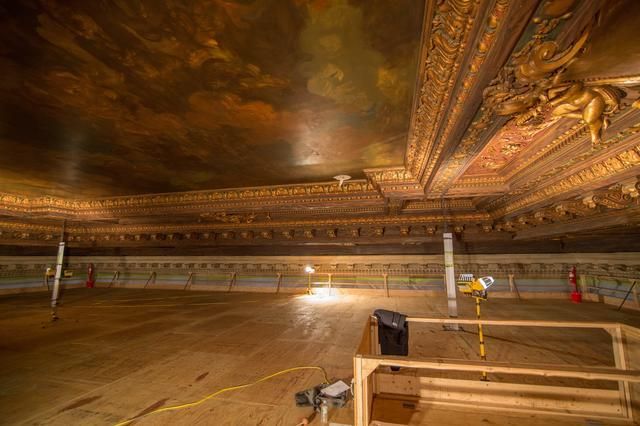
90 280
576 297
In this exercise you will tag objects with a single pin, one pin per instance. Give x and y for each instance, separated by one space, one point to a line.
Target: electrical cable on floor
227 389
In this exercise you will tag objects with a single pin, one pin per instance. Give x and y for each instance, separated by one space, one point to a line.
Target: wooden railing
623 403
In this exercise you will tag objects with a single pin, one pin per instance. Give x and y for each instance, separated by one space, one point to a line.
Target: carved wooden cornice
607 168
552 158
626 125
468 80
572 149
395 182
448 30
479 185
439 204
12 232
240 198
490 117
619 206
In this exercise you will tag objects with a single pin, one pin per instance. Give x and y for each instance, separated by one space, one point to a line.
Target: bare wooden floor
117 353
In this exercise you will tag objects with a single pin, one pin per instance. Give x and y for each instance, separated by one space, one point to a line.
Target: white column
449 276
56 283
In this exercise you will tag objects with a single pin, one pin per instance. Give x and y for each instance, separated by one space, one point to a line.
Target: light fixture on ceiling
341 179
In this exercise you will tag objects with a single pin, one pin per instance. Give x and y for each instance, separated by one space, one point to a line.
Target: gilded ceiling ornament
469 77
623 160
589 201
570 137
522 87
288 234
631 187
450 28
490 164
267 235
247 235
511 148
230 218
535 79
589 104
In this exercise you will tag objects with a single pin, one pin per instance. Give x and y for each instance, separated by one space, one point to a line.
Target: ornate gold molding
438 204
486 40
575 161
395 182
449 30
502 97
247 231
357 190
592 174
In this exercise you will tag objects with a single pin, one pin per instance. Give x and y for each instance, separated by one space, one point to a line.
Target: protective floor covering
116 353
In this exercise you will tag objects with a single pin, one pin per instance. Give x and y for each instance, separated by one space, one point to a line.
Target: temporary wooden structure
373 383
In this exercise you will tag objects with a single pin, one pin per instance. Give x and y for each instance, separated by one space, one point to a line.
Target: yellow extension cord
230 388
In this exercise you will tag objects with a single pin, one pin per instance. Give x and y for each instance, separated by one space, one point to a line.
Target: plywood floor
116 353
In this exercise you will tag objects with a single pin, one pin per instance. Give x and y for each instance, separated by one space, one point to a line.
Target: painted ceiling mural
130 97
506 122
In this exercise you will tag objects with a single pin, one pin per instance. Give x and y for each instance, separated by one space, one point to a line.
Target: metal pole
188 280
386 283
56 282
232 281
116 275
627 295
483 354
152 275
512 285
449 276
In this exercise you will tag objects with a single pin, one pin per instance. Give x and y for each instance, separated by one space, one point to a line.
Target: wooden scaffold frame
372 382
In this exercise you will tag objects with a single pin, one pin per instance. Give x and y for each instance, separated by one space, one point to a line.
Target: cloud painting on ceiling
129 97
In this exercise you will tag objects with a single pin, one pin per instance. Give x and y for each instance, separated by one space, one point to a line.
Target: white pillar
56 283
449 276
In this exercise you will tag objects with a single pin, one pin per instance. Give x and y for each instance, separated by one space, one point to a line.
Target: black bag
393 332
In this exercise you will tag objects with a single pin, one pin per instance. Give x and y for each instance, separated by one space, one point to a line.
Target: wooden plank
535 417
365 342
630 351
363 390
517 323
588 373
359 416
621 363
579 401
